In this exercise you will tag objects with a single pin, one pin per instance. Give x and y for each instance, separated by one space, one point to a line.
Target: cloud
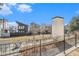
24 8
5 10
12 4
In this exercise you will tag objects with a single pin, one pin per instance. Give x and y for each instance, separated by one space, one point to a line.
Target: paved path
74 52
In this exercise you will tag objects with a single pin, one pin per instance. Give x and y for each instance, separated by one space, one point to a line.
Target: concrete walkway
75 52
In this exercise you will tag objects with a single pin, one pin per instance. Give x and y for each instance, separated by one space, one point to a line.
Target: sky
40 13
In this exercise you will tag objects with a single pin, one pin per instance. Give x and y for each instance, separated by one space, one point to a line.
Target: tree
34 28
74 24
46 29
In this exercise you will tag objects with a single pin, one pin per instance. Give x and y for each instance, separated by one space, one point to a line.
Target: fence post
64 44
34 39
75 40
40 47
1 50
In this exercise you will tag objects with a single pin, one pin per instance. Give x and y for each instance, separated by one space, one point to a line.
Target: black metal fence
39 47
70 43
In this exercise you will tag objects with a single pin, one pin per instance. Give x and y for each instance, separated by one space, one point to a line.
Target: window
5 31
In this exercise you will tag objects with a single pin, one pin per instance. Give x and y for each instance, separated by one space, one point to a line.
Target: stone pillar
58 28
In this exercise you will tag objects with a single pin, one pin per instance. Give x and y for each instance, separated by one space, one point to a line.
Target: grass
24 38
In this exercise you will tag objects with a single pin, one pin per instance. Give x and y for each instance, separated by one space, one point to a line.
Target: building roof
21 23
57 17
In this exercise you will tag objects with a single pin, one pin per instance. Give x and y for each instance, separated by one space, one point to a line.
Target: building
4 28
22 28
8 29
13 27
58 28
19 29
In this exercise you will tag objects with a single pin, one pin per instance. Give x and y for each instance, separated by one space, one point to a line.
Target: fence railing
37 45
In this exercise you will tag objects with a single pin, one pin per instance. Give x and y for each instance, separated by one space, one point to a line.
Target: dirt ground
36 50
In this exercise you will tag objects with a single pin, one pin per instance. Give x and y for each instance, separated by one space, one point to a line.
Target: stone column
58 28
